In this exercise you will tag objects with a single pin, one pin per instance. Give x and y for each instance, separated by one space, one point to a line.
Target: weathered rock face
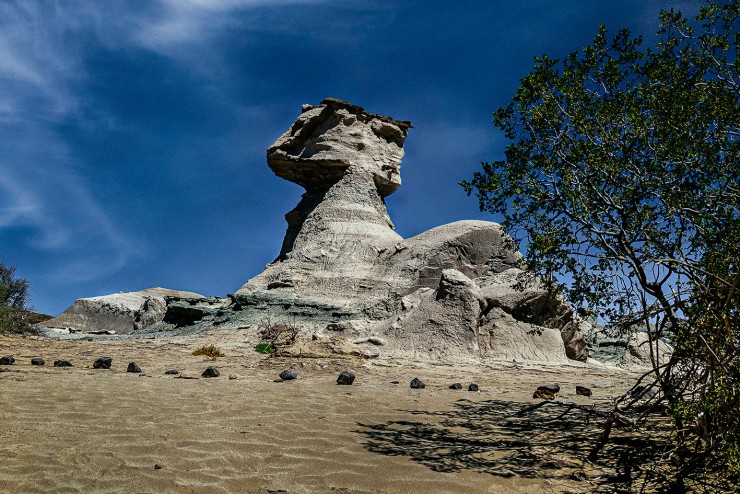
641 351
348 161
120 312
351 283
446 292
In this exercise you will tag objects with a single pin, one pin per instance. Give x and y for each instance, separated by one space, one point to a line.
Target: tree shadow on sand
546 441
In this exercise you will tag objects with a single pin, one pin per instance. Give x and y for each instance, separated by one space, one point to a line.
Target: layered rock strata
121 313
449 290
351 283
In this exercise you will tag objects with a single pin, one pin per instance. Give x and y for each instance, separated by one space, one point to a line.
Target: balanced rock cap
328 138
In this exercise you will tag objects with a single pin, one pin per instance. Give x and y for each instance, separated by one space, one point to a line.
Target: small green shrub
209 351
264 348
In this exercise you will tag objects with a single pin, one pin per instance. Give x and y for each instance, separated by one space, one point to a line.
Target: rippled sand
89 430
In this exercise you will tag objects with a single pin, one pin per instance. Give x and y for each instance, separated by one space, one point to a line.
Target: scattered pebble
288 375
473 387
37 361
583 391
211 372
456 386
552 388
103 363
7 360
346 378
132 367
157 466
417 383
172 372
233 377
544 394
62 363
376 341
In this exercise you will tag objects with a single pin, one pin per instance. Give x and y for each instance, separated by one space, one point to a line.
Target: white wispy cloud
43 186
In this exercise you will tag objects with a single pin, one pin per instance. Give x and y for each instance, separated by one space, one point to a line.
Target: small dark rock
583 391
62 363
211 372
552 388
346 378
132 367
7 360
473 387
157 466
103 363
37 361
288 375
172 372
417 383
456 386
543 393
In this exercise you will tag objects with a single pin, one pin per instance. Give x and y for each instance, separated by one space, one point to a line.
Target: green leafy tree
13 301
622 179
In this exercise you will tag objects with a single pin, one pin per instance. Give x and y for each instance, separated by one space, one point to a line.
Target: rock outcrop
642 352
121 312
446 292
351 283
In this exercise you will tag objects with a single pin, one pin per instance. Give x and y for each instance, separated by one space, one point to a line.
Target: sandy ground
81 429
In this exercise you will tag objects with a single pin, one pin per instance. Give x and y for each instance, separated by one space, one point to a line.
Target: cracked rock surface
351 283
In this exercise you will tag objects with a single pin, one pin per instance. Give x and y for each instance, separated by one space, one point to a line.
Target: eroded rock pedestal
351 283
446 292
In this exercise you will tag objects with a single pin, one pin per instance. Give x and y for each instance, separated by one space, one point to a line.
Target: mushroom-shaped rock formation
447 290
341 148
452 292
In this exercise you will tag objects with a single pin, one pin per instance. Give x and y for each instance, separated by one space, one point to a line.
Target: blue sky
133 133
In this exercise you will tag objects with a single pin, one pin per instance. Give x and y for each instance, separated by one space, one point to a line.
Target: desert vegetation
15 315
210 351
621 182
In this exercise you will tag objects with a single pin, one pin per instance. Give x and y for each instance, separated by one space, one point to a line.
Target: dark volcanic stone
62 363
552 388
473 387
288 375
456 386
103 363
346 378
543 393
211 372
583 391
172 372
132 367
7 360
37 361
417 383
